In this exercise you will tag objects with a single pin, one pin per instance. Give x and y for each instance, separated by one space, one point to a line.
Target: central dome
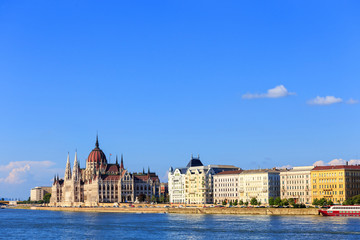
97 155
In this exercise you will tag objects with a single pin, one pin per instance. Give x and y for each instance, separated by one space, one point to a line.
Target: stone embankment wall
239 211
109 210
247 211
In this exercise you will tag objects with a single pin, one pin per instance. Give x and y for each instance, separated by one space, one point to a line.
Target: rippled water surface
30 224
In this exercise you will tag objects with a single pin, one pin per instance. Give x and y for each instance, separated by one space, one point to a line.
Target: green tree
277 201
253 201
271 201
284 202
315 202
153 198
246 203
230 203
47 197
236 202
141 197
241 202
162 199
292 201
224 202
322 202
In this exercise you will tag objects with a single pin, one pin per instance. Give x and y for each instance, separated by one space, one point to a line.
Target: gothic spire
117 160
122 162
97 141
68 169
76 169
148 170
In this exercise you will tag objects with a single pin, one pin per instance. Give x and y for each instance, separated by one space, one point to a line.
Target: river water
32 224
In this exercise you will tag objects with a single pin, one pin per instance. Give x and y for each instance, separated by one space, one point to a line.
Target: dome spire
97 141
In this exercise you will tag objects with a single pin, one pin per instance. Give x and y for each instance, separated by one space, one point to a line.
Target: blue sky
160 80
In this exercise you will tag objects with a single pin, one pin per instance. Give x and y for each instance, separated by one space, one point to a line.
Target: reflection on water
27 224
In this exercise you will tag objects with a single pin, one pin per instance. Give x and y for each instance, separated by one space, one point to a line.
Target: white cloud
276 92
354 162
285 167
324 100
337 161
17 172
319 163
352 101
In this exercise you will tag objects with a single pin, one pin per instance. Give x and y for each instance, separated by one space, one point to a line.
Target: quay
187 210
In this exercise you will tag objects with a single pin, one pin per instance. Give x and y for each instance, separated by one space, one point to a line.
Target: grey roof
194 162
183 170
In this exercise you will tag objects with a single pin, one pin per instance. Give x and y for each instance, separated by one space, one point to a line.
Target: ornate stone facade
101 182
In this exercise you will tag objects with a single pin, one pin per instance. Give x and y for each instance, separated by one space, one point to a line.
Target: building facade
226 186
194 183
295 183
101 182
38 193
336 183
260 184
176 185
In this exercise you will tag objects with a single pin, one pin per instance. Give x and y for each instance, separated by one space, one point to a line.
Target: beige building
199 181
226 186
295 183
260 184
38 193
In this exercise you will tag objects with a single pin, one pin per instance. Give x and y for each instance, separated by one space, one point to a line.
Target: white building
260 184
226 186
295 183
176 183
38 193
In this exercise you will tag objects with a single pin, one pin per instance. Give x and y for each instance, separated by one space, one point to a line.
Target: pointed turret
122 162
148 170
117 162
76 169
97 141
143 171
67 169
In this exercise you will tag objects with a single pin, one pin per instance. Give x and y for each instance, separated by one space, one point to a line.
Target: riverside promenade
190 210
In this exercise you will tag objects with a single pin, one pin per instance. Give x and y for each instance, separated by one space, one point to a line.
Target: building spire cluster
90 185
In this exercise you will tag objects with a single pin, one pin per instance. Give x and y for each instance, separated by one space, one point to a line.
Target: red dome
97 155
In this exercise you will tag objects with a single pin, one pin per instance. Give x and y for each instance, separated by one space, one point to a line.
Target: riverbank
235 211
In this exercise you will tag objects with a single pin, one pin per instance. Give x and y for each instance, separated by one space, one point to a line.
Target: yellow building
335 183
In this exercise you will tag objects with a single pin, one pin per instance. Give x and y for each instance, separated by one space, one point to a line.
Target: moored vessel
341 211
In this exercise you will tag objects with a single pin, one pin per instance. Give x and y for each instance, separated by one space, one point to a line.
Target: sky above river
255 84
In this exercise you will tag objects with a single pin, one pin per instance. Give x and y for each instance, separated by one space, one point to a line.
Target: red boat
341 211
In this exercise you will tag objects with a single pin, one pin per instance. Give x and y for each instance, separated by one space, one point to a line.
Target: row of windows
294 176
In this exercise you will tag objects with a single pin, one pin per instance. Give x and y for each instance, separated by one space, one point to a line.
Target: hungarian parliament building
102 182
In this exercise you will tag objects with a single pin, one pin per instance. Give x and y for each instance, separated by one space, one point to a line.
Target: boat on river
341 211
